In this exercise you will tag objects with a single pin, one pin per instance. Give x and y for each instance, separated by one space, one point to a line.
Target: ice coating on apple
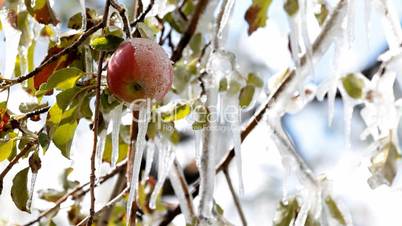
139 69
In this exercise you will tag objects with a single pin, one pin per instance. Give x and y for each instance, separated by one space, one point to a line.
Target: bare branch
78 192
235 197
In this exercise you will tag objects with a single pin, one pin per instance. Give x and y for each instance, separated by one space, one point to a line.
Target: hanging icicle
116 119
149 159
143 119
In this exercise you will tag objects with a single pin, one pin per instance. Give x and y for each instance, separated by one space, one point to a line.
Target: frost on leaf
335 211
383 165
353 86
256 15
286 212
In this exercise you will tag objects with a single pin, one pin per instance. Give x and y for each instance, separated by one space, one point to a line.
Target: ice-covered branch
274 101
122 12
235 198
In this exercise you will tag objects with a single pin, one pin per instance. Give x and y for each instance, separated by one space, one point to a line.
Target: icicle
348 113
207 163
84 15
294 44
225 14
166 154
149 159
305 35
116 118
303 213
143 119
367 19
391 24
233 104
99 151
351 22
198 146
186 204
12 39
31 190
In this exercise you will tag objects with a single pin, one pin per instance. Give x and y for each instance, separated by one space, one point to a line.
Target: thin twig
188 34
122 13
96 121
78 192
106 206
15 160
118 187
143 15
235 197
6 83
189 199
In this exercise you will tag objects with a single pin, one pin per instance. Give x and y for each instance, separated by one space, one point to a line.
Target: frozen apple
139 69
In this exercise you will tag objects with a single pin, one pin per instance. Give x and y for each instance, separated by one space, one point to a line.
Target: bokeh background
323 147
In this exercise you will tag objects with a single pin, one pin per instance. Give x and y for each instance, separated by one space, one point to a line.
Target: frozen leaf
286 212
196 43
223 85
176 21
177 112
106 43
334 210
256 15
146 31
321 14
6 149
41 11
19 189
51 195
255 80
75 22
384 165
31 55
291 7
30 106
353 86
246 96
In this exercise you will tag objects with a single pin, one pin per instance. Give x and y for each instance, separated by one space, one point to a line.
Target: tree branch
6 83
108 205
122 13
188 34
78 192
235 197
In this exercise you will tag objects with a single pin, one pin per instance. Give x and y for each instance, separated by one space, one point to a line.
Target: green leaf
234 87
177 112
334 210
291 7
322 14
63 137
62 79
31 55
196 43
255 80
353 86
19 190
246 96
106 43
107 154
34 162
257 15
145 31
44 141
286 212
75 22
65 98
85 110
6 149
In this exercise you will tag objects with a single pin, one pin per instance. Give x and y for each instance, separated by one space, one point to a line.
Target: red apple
139 69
